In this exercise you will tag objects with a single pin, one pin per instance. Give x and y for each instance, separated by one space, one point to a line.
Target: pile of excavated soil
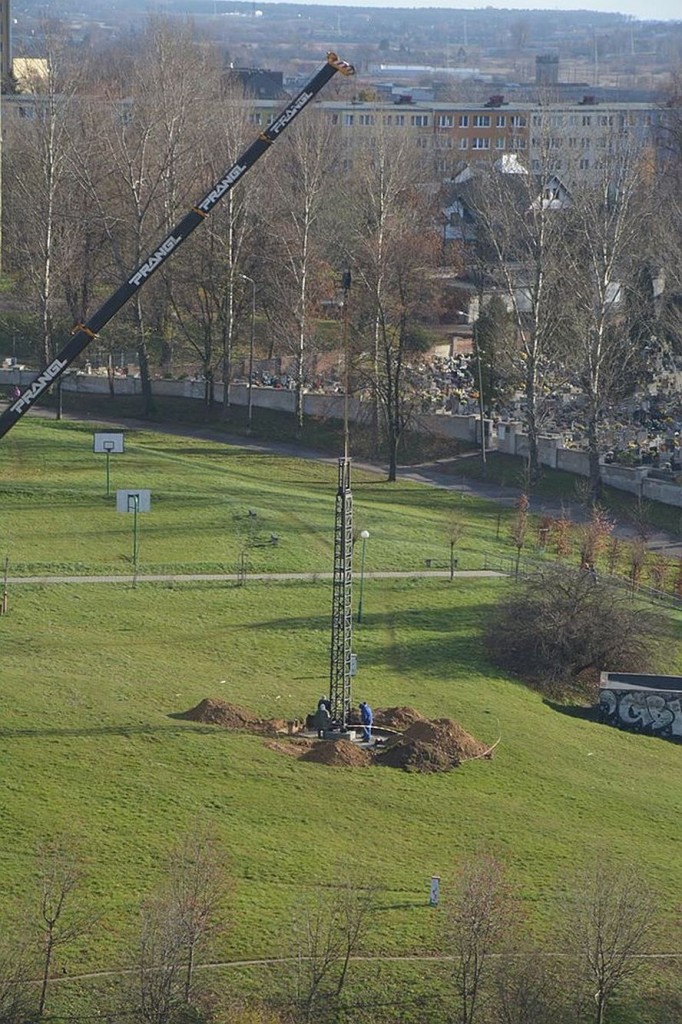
338 754
416 756
213 711
448 736
396 718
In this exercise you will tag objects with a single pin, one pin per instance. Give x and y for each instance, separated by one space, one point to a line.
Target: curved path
440 473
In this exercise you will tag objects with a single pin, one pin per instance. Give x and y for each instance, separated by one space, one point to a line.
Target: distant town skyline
662 10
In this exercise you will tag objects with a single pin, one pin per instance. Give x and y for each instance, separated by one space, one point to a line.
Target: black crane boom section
83 334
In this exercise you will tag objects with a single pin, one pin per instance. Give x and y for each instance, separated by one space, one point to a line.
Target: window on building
499 142
445 121
463 143
257 119
587 120
584 163
387 120
464 120
500 121
420 120
400 120
479 143
348 119
584 143
482 121
537 121
367 119
334 119
422 142
518 121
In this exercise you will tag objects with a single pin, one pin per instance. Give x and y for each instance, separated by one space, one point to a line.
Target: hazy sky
658 10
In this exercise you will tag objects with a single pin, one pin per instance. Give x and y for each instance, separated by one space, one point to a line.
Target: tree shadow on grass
109 730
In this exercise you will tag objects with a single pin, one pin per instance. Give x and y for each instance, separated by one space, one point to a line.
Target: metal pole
108 457
249 401
135 499
365 536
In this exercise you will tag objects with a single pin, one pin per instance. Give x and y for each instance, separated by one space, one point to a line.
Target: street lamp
249 402
364 535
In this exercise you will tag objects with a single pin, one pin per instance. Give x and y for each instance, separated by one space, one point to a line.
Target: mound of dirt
396 718
338 754
448 736
213 711
416 756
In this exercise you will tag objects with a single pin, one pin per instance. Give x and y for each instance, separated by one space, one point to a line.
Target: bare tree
16 979
609 214
518 246
477 920
526 990
61 916
293 262
519 527
456 528
611 928
563 628
327 932
39 186
392 246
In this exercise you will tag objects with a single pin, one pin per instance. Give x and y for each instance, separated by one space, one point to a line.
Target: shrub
562 627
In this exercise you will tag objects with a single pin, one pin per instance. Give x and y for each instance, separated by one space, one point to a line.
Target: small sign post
434 895
108 443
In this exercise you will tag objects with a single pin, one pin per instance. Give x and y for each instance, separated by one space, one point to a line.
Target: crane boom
83 334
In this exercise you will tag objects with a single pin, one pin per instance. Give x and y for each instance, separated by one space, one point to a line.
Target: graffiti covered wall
658 713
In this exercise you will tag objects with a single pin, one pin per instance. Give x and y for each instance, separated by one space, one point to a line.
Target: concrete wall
657 713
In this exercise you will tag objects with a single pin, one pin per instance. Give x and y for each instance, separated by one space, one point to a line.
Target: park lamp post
364 536
249 400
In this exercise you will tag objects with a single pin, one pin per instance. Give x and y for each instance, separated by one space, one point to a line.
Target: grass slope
91 675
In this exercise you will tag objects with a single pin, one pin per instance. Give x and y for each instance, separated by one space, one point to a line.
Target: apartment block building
447 135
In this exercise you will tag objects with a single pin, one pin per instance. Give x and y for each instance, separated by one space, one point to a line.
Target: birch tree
608 222
294 261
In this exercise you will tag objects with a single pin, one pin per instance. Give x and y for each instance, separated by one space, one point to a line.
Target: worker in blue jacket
366 717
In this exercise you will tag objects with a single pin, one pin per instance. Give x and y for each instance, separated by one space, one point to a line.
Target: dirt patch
448 736
293 749
338 754
416 756
399 718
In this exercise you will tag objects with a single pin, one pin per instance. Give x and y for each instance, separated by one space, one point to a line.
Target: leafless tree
518 245
61 915
294 263
562 626
16 977
39 187
609 215
477 920
176 922
456 528
519 527
526 990
327 932
611 928
393 247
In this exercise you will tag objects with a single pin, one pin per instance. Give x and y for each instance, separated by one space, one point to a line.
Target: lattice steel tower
342 600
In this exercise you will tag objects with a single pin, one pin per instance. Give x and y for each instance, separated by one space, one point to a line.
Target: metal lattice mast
342 600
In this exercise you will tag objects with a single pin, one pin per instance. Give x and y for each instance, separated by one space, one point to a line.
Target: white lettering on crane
154 260
234 174
291 112
38 386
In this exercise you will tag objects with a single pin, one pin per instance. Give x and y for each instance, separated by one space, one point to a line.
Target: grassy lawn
91 675
57 518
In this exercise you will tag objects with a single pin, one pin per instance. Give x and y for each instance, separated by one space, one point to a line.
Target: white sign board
126 501
108 443
434 895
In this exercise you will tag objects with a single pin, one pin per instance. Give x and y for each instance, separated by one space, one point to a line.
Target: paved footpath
441 473
233 577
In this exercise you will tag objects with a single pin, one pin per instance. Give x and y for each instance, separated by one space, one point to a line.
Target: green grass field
91 674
